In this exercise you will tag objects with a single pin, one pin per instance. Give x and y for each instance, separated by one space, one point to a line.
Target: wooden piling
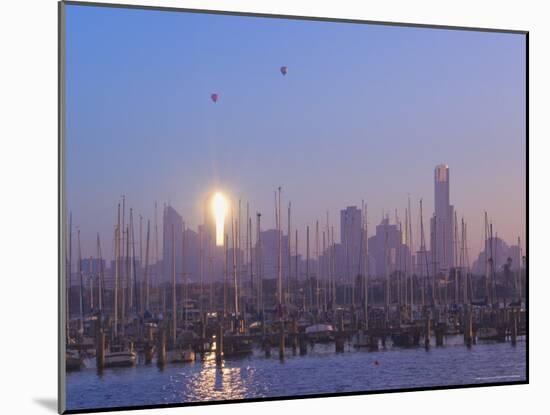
161 352
513 328
219 344
427 329
148 351
282 340
302 344
339 343
267 347
100 350
439 333
468 332
294 336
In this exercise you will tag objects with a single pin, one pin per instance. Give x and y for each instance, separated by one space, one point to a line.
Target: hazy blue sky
365 112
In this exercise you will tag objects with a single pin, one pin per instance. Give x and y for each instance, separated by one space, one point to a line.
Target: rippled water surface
320 371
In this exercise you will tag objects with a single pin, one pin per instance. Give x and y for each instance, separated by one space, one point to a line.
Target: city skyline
405 104
382 248
168 214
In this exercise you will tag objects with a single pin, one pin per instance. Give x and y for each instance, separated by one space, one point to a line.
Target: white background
28 203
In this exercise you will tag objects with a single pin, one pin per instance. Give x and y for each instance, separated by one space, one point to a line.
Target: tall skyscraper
442 223
350 238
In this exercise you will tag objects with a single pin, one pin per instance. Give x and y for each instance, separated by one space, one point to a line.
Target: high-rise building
92 266
501 251
350 238
442 223
171 220
387 252
270 253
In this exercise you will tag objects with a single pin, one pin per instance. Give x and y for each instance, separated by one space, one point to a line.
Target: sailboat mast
146 270
101 280
140 269
435 252
69 271
324 272
246 251
463 271
519 290
201 268
289 271
317 265
407 255
156 244
81 286
234 244
134 268
411 251
328 255
239 259
367 270
174 309
333 266
117 261
259 261
279 252
307 262
425 254
226 273
91 279
487 287
251 269
296 271
123 271
386 266
184 274
493 260
455 258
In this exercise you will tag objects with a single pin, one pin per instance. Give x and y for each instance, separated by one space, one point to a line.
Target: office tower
350 238
441 224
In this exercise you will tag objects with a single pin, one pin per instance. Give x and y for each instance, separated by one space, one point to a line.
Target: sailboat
120 355
179 353
320 332
73 360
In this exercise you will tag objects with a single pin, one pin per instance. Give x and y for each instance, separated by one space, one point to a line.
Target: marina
248 336
233 330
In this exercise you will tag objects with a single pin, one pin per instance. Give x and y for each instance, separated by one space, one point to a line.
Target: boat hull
120 359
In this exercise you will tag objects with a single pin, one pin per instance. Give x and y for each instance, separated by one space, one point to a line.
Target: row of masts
133 294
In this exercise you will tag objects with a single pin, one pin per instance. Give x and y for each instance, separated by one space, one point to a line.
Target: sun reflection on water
217 382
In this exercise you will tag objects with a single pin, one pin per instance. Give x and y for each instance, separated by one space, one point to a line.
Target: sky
365 113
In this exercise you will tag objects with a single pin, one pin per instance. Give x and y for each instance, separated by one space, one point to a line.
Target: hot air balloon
214 98
283 70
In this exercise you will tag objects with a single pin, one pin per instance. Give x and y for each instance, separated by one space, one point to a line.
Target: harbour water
320 371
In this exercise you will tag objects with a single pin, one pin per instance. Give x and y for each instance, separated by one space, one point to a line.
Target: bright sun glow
219 207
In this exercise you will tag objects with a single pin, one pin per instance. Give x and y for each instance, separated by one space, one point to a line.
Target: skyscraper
350 238
442 223
387 252
171 218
